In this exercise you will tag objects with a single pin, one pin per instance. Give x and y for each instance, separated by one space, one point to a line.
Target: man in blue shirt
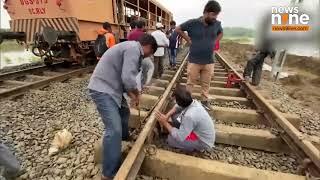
173 44
202 34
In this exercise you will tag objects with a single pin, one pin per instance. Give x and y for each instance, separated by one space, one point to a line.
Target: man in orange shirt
105 34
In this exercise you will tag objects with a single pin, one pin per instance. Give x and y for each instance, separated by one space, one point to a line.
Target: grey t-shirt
117 70
203 39
195 119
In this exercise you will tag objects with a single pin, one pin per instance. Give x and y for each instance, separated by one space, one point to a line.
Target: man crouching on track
189 125
114 75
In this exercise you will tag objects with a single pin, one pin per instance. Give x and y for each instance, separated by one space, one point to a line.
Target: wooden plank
176 166
234 92
245 116
292 135
250 138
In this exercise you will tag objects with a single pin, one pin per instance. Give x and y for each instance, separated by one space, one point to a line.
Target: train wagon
65 30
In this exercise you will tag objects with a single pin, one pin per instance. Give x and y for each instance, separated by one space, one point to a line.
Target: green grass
34 59
237 39
7 60
238 32
8 46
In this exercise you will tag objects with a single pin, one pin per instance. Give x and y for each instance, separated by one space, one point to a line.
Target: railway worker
137 32
133 23
189 125
162 42
174 40
113 76
202 34
147 64
11 165
254 65
106 36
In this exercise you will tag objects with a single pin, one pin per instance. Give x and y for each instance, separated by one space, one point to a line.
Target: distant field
242 40
238 34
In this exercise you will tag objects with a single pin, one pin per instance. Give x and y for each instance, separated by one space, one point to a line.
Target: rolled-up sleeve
220 29
184 131
130 68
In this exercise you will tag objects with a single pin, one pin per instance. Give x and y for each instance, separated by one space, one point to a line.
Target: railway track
18 82
244 121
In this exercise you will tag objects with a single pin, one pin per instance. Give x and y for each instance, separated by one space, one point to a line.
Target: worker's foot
206 105
174 67
105 178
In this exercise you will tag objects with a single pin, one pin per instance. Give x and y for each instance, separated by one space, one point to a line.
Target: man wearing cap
162 42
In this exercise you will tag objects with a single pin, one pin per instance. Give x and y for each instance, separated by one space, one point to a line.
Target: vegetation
238 32
4 30
7 60
7 46
34 59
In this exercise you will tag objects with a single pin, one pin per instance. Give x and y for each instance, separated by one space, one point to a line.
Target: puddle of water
14 58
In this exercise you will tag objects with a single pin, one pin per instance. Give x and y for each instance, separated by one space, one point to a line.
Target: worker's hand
135 99
161 117
189 42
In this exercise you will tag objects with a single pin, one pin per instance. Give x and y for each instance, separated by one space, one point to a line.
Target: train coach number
37 10
31 2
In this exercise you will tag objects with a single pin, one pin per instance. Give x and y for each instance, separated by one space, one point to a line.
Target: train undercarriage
56 46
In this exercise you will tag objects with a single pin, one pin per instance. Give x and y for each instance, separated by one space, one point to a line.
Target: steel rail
292 136
8 75
41 83
136 155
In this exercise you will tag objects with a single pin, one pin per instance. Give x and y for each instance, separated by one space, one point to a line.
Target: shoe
174 67
206 105
105 178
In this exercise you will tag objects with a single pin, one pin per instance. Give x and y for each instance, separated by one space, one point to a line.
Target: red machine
232 80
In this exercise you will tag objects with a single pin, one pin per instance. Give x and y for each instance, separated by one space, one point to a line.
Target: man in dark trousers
173 44
163 42
11 165
202 34
254 65
114 75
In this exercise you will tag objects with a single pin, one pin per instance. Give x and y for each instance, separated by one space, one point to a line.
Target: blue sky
241 13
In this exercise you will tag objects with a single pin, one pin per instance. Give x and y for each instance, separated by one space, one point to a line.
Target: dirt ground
304 86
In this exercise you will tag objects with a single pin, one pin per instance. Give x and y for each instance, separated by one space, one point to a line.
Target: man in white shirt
162 42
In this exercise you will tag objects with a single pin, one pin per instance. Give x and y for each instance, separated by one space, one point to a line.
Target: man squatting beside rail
202 35
189 125
114 75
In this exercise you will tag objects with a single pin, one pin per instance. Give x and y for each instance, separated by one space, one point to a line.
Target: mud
306 79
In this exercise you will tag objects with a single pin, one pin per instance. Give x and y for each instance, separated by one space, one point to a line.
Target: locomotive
65 30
